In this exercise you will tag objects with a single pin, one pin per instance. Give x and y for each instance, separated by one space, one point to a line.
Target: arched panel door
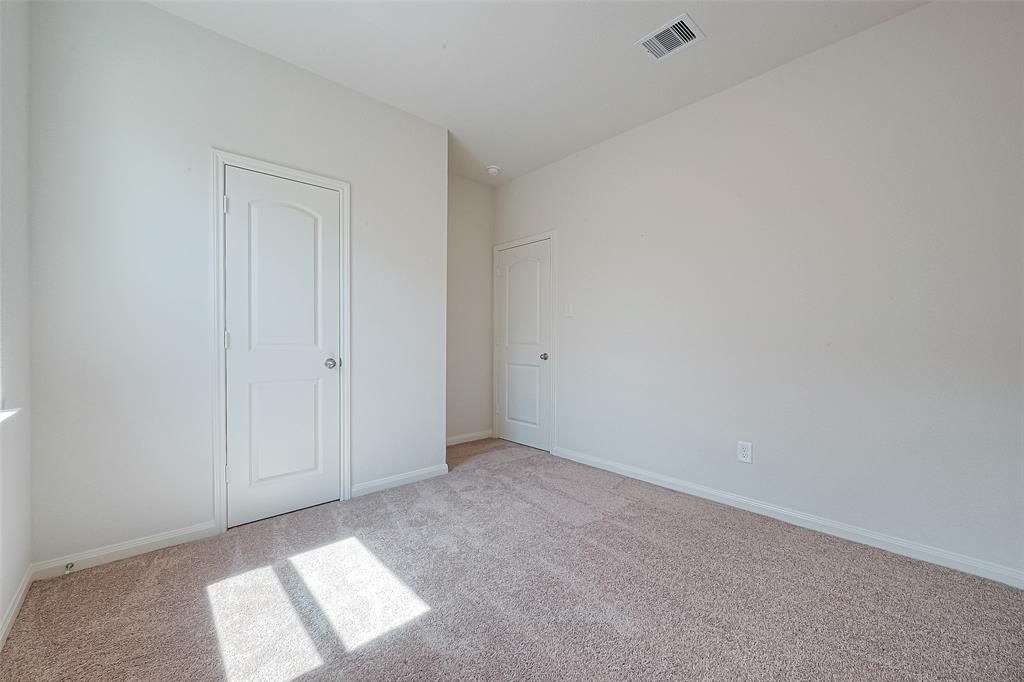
522 344
283 319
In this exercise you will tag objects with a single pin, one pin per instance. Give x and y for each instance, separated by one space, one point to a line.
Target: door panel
285 429
284 259
283 316
523 295
523 318
522 394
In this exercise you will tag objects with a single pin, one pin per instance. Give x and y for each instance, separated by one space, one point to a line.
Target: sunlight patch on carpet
260 634
361 598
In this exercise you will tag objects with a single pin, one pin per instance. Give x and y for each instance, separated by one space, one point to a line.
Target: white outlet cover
745 452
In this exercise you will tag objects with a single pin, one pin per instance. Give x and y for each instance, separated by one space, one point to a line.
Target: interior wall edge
11 614
469 391
445 194
16 534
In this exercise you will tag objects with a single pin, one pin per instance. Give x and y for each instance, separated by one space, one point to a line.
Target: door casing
552 236
221 159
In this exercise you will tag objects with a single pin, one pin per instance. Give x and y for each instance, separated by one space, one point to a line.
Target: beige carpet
519 565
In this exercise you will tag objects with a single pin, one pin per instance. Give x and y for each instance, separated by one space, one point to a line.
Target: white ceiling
522 84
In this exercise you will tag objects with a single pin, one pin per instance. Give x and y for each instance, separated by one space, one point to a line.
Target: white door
522 288
283 320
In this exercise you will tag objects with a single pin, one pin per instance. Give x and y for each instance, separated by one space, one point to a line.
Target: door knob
543 356
330 363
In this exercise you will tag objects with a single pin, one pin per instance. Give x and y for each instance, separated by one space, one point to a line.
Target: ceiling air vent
668 39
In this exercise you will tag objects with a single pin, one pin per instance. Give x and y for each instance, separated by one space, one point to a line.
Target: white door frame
552 236
221 160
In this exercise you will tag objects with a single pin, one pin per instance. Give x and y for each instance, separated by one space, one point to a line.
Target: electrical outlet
745 452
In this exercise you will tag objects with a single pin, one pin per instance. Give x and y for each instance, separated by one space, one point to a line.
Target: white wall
825 260
470 234
15 463
127 102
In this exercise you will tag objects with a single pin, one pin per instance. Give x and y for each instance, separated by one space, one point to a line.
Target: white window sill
7 414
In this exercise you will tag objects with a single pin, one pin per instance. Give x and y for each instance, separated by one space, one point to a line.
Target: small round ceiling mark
494 171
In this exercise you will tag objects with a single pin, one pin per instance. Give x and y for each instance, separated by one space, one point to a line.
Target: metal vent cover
671 37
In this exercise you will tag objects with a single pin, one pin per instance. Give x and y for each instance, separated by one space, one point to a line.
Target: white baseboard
910 548
468 437
123 550
401 479
129 548
12 609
